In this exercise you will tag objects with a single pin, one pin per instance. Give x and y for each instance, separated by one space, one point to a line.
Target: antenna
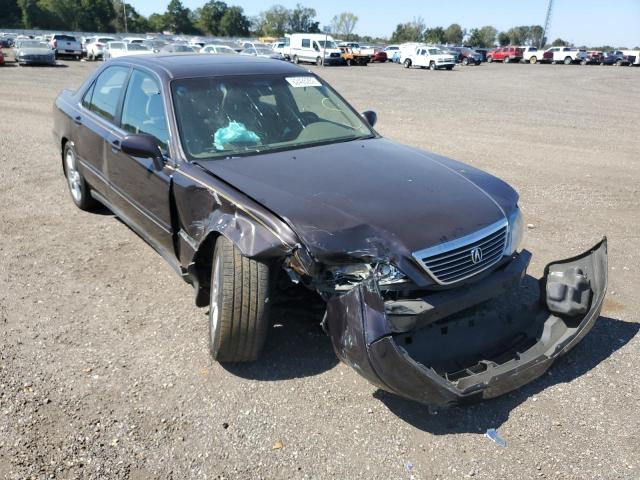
547 23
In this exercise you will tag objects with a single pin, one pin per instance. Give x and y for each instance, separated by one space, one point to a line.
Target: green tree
210 15
234 23
519 35
135 22
96 15
274 21
454 34
503 39
434 35
11 14
344 24
558 42
157 23
409 32
536 35
483 37
303 20
178 18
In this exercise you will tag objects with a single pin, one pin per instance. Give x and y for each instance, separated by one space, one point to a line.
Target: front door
140 189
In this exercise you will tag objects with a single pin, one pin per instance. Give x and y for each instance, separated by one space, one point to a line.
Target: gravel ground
104 368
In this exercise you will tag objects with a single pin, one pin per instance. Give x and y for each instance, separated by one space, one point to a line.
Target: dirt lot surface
104 368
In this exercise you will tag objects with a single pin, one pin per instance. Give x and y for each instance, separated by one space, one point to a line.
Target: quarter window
106 92
306 43
143 109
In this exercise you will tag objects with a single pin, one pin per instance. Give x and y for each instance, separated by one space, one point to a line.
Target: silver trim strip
460 243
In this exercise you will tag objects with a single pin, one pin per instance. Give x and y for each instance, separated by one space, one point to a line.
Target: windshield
31 44
435 51
264 50
230 116
330 44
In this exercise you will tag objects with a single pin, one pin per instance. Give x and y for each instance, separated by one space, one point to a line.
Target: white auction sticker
303 82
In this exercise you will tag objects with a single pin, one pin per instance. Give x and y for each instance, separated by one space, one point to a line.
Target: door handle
78 120
115 146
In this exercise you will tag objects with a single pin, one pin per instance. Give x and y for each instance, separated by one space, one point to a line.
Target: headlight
345 277
516 231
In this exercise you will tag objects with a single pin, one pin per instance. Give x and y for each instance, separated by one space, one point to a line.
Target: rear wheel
583 62
619 63
465 61
449 67
238 313
78 187
296 60
533 60
319 61
489 59
432 66
349 62
407 63
507 59
568 60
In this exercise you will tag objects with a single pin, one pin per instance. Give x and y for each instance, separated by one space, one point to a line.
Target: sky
582 22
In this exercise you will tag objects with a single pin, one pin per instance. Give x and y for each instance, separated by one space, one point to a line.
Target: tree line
417 31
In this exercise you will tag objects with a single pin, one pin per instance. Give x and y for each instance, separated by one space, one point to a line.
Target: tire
465 61
449 67
568 60
432 66
507 59
349 62
238 313
618 63
296 60
583 62
78 187
319 61
407 63
533 60
489 59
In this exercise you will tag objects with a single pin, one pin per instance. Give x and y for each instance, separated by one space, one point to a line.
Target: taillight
98 45
55 44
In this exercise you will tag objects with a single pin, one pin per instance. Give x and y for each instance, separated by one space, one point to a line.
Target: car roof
187 65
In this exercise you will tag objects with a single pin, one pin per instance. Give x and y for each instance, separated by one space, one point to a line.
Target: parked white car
282 48
531 54
312 47
218 50
390 50
133 40
359 49
96 45
566 55
431 57
123 49
633 53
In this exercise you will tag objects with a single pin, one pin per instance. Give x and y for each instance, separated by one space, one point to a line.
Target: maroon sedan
379 56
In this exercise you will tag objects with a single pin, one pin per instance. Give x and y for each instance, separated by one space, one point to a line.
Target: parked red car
505 54
379 56
1 58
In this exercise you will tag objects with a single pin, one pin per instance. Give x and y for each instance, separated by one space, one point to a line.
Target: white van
310 47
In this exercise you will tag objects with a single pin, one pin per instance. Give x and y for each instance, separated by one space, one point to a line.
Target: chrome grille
464 257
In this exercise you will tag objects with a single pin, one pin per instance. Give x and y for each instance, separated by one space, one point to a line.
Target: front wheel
489 59
80 191
407 63
432 66
568 60
619 63
238 312
507 59
296 60
349 62
533 60
319 61
465 61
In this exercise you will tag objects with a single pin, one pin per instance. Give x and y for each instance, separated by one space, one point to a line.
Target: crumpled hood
371 198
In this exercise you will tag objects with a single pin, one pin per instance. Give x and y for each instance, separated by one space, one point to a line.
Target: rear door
141 190
94 122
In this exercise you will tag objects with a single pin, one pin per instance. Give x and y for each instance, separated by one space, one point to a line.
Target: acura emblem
476 255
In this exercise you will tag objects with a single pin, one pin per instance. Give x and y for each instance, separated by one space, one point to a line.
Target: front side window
241 115
143 108
106 92
306 43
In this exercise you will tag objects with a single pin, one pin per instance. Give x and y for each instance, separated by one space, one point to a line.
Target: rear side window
306 43
106 92
143 108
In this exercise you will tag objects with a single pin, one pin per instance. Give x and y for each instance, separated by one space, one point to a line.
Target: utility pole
124 11
547 23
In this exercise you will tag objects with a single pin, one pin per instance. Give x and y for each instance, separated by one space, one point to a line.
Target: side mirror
371 117
143 146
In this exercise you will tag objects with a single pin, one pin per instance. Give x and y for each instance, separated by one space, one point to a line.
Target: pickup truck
359 49
431 57
351 57
66 45
566 55
531 54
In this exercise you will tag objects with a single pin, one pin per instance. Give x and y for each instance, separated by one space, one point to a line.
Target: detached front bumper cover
480 353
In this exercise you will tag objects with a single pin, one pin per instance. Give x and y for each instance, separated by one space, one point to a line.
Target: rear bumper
460 348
